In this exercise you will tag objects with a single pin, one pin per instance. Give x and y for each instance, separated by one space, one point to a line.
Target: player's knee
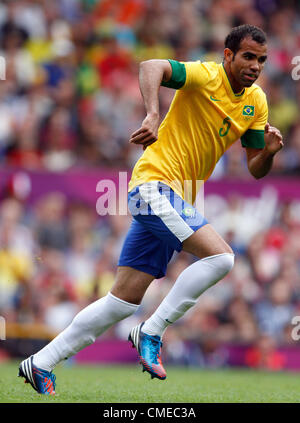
223 264
227 262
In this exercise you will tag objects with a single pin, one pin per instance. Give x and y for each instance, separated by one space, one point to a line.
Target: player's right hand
147 133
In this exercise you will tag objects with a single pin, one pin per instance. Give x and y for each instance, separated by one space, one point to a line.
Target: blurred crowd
71 95
71 99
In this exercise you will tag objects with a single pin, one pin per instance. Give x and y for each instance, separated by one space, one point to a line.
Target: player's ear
228 55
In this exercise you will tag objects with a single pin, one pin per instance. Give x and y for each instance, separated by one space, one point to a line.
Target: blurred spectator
51 229
264 355
71 94
283 111
16 252
276 311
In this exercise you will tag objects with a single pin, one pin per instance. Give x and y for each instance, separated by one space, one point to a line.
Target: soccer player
214 106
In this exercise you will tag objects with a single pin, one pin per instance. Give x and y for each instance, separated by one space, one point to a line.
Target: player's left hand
273 139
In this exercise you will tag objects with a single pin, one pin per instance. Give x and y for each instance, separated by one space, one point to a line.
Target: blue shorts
161 222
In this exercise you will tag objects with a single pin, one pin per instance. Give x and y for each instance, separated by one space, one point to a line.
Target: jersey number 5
224 129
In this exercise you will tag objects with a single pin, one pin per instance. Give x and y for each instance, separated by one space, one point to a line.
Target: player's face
247 64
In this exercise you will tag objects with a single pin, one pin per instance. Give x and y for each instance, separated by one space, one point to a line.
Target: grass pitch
127 384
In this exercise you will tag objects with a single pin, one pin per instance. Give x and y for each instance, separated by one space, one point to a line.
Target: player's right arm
151 75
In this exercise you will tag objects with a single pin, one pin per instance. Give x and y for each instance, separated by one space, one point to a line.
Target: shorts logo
188 212
248 111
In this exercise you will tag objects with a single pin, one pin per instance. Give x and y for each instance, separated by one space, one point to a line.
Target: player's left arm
260 160
261 141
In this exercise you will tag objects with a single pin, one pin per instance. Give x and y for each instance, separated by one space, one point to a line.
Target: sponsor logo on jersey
213 98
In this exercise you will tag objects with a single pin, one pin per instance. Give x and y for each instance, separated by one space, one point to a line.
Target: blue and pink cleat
149 350
41 380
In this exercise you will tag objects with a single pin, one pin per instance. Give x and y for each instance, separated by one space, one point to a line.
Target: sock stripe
135 335
23 368
27 370
30 371
137 330
30 365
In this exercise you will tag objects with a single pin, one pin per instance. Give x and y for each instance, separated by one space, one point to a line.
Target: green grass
118 384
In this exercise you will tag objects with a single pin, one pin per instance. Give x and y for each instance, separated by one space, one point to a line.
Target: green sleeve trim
253 138
178 77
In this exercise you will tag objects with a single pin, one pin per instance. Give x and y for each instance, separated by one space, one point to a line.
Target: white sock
190 284
86 326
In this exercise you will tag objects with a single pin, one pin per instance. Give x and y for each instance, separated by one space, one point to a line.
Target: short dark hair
237 34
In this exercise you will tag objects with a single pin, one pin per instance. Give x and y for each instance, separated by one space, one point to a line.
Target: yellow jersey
205 118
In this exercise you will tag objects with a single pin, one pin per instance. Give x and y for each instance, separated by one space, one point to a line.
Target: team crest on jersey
188 211
248 111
